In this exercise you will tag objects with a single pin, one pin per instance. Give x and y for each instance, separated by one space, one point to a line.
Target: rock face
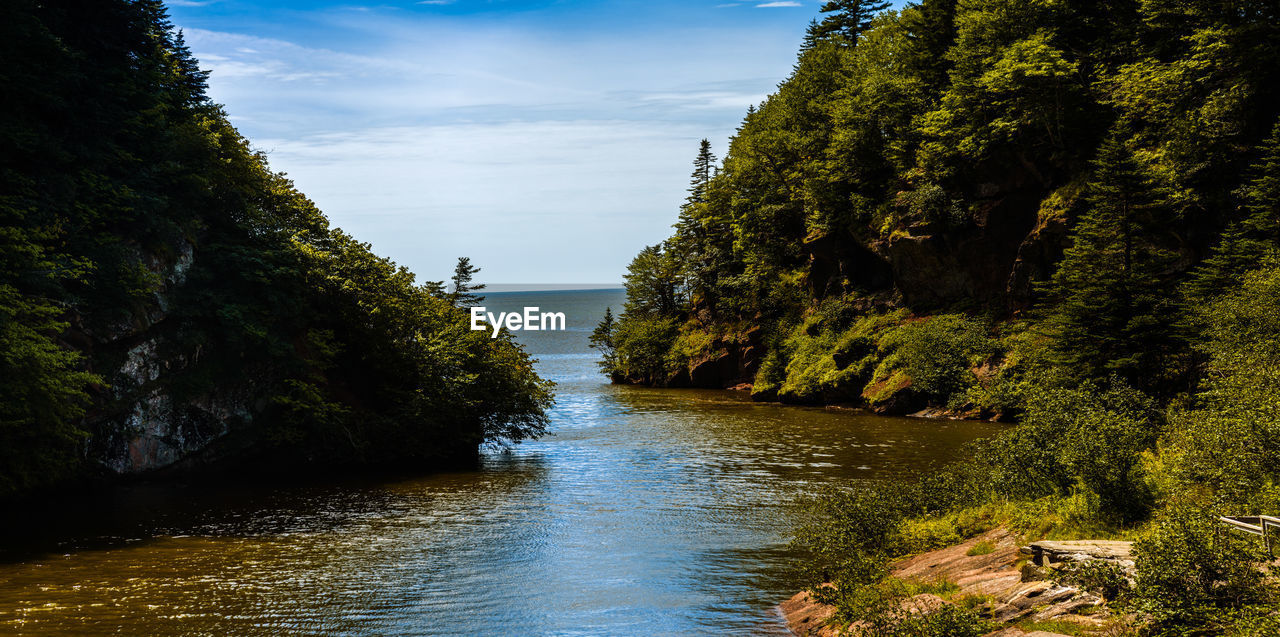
730 362
990 261
1016 594
141 423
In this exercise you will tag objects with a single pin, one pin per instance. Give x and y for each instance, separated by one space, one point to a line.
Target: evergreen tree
848 19
463 289
704 168
1111 310
1247 243
602 339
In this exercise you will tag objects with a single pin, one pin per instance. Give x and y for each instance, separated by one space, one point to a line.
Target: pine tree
848 19
1111 311
704 168
602 339
694 246
1246 243
463 289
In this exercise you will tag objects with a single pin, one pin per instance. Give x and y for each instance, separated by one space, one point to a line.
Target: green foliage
1110 301
981 548
604 340
44 392
643 348
1091 436
936 354
849 535
1229 442
464 291
132 210
1100 577
1194 573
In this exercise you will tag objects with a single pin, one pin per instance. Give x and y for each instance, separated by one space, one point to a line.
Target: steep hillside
167 301
1044 179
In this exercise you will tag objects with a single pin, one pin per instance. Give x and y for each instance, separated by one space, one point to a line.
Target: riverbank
1010 583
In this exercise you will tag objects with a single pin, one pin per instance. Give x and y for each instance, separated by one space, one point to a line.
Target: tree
1246 243
462 295
704 168
848 19
653 284
1110 311
602 339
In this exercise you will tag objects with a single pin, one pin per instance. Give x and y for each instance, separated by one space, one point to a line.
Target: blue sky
547 140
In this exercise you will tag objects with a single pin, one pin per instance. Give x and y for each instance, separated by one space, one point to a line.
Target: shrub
936 353
981 548
1100 577
1091 436
849 535
1194 573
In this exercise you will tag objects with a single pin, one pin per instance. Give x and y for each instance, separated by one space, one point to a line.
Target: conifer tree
1111 313
848 19
463 289
602 339
1246 243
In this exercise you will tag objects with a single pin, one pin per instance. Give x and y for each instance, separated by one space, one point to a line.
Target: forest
168 302
1060 214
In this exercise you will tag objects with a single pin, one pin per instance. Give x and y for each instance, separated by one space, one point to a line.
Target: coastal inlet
646 512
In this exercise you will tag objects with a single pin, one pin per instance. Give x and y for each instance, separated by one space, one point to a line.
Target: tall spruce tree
694 245
847 20
1247 242
603 339
463 294
1110 310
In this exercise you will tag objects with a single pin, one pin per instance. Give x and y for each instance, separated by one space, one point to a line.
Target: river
645 512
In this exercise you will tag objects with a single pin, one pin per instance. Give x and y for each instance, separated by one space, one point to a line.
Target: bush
1194 573
1100 577
936 353
1090 436
642 346
849 535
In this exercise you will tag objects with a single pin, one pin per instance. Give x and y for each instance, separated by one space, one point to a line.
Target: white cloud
771 5
545 158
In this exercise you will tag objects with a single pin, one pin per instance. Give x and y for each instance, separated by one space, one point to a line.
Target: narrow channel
646 512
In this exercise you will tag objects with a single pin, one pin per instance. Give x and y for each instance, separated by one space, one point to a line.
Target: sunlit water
647 512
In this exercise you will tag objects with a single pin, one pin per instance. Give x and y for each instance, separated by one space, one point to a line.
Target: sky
547 140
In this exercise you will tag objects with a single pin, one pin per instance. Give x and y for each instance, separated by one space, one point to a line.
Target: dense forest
168 301
1057 213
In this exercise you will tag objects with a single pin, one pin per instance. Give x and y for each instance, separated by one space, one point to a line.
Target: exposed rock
144 424
807 617
1019 591
1046 552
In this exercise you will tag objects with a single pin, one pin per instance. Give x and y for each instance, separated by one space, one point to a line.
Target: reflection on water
648 512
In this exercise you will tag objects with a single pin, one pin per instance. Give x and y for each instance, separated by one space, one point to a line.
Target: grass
1054 626
981 548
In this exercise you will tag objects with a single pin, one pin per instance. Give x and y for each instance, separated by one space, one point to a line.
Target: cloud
436 2
191 3
535 201
773 5
545 157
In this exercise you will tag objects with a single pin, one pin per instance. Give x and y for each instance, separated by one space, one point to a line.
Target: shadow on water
647 512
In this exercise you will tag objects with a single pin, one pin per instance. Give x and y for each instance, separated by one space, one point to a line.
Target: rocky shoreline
1015 581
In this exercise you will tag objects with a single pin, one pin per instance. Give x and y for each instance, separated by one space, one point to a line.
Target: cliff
170 303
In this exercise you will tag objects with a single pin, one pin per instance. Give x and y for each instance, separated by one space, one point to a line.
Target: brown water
648 512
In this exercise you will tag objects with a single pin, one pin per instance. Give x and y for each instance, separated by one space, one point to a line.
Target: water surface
647 512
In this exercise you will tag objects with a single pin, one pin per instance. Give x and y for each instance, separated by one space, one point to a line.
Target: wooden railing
1263 525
